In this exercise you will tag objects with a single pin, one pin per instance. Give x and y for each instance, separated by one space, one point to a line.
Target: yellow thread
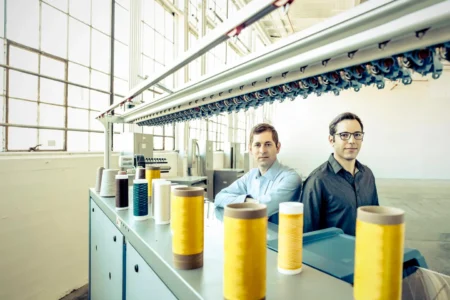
290 241
245 258
378 261
187 224
150 175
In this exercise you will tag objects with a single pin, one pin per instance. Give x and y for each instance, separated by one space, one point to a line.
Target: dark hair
342 117
262 127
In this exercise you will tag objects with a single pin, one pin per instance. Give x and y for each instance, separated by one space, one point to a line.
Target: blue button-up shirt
279 184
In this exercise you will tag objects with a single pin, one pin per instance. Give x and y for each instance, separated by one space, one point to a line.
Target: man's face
264 150
347 149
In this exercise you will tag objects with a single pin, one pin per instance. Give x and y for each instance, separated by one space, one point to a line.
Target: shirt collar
272 172
336 166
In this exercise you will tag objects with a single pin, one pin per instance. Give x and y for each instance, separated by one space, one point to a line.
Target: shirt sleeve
312 204
375 194
288 189
235 193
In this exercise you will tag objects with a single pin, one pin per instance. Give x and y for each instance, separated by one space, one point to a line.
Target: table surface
154 244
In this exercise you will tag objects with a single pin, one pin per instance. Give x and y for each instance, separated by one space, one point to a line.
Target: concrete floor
427 210
427 215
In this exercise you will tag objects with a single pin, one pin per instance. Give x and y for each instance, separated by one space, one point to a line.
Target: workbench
133 260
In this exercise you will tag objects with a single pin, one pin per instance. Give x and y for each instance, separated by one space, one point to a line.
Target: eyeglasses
345 136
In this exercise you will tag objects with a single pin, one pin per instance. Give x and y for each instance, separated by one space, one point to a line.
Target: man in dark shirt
333 192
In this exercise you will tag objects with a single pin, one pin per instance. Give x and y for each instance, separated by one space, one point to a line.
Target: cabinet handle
114 238
109 275
92 209
136 268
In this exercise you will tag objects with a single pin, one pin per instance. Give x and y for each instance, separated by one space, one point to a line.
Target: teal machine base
332 252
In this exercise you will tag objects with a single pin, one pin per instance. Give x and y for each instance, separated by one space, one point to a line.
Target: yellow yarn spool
172 197
187 226
290 238
151 172
245 230
380 234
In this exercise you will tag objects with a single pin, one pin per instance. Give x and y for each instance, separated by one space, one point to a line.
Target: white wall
406 128
44 224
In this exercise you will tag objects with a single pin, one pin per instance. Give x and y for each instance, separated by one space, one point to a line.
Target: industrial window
217 130
158 29
214 129
163 136
57 75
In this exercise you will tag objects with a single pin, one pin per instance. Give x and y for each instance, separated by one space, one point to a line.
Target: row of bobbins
379 240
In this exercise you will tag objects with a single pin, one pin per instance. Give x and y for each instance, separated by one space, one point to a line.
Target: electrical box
133 143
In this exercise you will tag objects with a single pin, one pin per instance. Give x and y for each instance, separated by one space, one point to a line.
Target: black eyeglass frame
350 135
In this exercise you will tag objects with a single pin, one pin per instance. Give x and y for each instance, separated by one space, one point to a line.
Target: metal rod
108 126
244 17
161 86
361 18
428 17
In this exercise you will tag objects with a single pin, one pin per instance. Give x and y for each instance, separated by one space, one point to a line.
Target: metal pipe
363 17
107 125
244 18
433 16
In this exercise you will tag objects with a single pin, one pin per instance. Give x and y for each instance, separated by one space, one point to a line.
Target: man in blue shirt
271 183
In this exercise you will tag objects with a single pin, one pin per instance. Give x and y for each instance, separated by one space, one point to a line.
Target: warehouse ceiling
301 15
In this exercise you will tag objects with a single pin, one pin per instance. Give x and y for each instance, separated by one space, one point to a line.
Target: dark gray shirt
331 196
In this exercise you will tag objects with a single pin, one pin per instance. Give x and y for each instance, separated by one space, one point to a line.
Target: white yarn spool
98 181
151 207
108 187
161 201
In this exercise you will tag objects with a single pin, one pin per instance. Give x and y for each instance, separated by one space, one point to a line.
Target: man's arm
288 189
235 193
312 204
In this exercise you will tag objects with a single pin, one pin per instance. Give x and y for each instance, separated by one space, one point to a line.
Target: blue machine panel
141 281
106 257
332 252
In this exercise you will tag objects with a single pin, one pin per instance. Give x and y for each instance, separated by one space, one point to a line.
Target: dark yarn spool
140 199
122 191
140 173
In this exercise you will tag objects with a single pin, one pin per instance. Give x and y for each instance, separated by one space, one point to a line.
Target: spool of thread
161 202
140 201
172 188
187 238
140 173
108 186
151 172
290 238
98 180
151 202
245 232
380 234
122 191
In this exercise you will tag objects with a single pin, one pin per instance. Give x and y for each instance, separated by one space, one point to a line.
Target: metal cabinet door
141 282
107 249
